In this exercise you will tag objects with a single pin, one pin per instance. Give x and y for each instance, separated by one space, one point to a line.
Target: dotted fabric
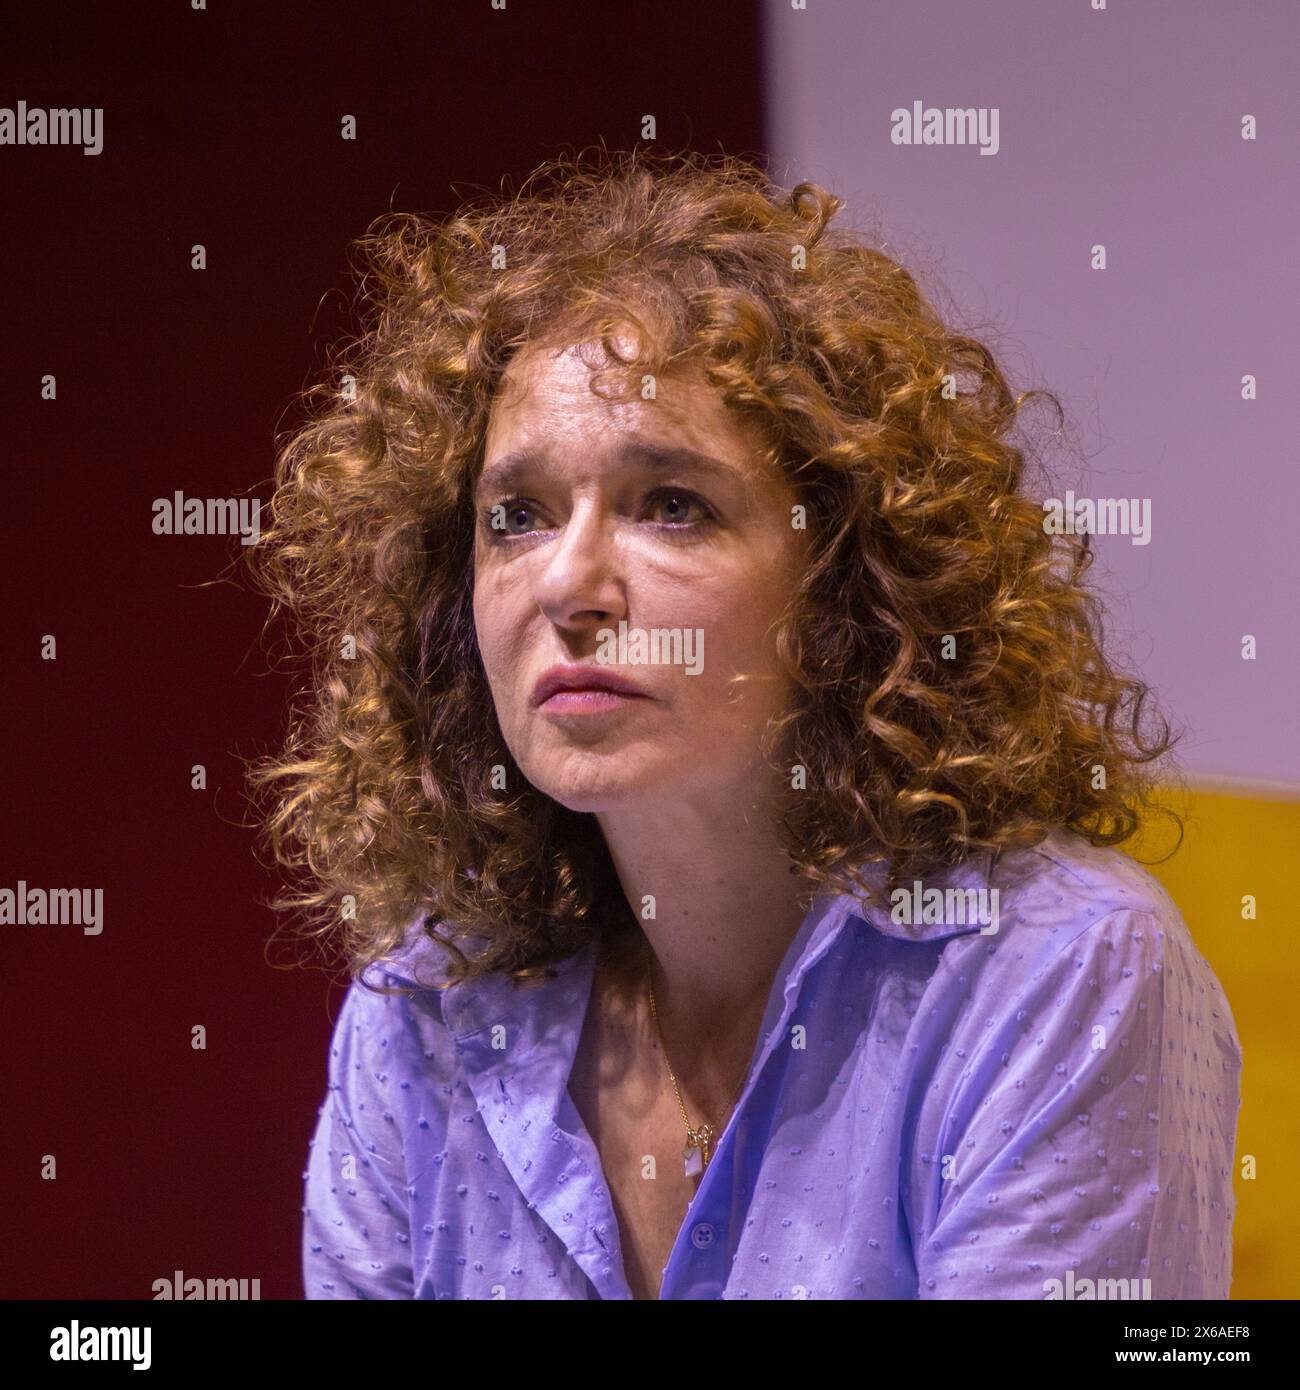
932 1112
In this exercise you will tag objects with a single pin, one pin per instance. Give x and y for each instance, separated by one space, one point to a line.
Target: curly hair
952 695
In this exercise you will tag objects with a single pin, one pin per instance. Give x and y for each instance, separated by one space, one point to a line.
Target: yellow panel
1238 845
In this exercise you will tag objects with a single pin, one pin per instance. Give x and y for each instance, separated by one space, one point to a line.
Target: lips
560 678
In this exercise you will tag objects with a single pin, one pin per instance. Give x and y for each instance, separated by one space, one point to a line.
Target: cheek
482 627
487 629
748 633
737 622
500 634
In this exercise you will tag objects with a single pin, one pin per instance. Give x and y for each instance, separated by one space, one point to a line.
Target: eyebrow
505 471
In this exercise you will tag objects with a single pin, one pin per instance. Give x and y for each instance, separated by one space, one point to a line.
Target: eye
511 516
678 503
503 518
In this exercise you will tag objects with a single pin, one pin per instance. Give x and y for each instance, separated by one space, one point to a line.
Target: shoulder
1076 1079
1064 919
1067 880
391 1028
1084 933
1043 900
1068 896
420 970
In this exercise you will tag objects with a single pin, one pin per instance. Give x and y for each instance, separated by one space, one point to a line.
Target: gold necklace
699 1138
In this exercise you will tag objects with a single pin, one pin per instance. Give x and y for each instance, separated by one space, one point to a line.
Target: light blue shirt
932 1111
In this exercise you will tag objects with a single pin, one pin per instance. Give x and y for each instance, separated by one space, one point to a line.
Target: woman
712 778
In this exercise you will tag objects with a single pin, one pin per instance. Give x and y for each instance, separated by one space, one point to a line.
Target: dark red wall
220 127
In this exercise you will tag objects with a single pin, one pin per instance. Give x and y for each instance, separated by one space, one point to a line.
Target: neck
718 904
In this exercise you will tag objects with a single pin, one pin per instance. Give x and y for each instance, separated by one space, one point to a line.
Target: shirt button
703 1235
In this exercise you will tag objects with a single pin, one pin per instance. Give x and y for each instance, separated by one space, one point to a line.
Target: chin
590 797
601 785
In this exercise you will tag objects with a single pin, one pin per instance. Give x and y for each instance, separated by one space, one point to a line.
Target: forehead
545 398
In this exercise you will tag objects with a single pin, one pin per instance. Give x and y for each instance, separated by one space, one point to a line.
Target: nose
578 581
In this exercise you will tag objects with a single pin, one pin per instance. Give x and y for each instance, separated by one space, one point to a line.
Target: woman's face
655 520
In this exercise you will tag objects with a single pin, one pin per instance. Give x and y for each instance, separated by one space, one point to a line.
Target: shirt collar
419 962
973 873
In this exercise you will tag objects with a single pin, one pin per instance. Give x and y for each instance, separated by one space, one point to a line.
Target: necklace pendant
696 1152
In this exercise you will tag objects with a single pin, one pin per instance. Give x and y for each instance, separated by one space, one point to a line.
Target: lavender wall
1122 127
